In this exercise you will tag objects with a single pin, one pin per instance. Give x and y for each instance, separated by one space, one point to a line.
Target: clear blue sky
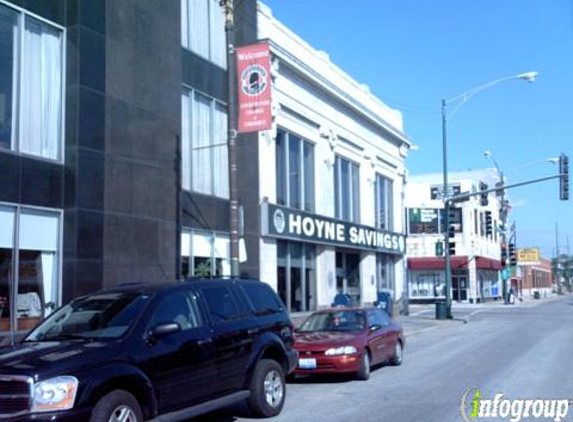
413 53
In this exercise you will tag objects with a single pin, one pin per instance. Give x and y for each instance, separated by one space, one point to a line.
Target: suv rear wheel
267 389
117 406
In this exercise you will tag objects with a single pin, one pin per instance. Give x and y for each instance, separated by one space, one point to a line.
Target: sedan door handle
252 331
205 342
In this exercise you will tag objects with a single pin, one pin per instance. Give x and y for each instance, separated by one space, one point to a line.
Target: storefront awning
488 263
458 263
437 263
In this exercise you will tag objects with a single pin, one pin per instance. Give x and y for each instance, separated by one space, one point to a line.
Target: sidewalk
423 317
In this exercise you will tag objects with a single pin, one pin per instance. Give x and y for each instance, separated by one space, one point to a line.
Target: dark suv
161 352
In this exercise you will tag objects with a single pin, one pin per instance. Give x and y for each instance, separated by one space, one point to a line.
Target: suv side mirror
165 329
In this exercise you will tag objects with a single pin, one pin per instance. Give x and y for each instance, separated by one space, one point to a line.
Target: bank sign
287 223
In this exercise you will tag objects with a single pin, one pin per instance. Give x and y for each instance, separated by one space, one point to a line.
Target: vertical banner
254 74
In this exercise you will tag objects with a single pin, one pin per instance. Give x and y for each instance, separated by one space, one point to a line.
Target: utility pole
232 135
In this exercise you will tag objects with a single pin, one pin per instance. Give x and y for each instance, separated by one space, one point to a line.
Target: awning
437 263
488 263
458 263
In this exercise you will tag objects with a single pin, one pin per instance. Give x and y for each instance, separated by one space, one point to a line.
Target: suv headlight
344 350
57 393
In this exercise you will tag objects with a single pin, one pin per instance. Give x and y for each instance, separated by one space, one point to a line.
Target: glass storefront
204 254
348 275
296 275
29 241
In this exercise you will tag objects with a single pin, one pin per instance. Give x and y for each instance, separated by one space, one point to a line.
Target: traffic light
503 255
564 180
483 196
439 248
488 223
452 248
512 255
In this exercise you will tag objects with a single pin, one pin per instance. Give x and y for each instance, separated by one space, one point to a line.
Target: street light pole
448 266
461 99
232 136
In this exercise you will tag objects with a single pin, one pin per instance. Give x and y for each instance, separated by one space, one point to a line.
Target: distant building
476 264
536 274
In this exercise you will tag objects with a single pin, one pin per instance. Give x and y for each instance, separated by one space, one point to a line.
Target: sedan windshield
334 321
106 315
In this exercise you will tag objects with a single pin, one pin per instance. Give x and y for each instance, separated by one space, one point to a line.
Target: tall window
384 204
204 254
385 272
295 172
296 275
31 73
204 159
347 191
203 30
29 241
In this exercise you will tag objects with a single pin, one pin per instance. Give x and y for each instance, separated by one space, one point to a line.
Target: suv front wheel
267 389
117 406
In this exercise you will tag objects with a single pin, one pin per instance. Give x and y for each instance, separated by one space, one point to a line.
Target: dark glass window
347 190
8 64
221 303
179 307
296 275
295 171
262 298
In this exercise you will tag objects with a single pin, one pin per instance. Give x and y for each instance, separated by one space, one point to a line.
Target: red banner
254 74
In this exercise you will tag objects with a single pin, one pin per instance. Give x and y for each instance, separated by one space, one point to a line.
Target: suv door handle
205 342
252 331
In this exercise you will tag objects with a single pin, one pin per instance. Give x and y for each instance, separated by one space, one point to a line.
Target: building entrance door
348 275
459 288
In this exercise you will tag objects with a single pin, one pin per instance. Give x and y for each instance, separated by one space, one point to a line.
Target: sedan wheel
364 371
398 352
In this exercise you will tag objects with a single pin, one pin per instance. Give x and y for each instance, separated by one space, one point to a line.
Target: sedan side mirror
165 329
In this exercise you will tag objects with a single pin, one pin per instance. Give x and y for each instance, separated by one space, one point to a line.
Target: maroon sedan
348 340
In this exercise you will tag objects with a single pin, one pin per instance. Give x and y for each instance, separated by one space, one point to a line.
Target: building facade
536 274
331 180
113 131
476 263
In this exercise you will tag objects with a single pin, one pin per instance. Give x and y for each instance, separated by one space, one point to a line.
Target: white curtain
201 162
7 227
185 23
220 155
218 37
186 140
199 27
222 249
41 98
49 280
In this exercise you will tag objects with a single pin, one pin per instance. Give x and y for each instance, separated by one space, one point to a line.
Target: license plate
307 363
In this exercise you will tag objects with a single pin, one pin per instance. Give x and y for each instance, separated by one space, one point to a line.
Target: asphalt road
522 352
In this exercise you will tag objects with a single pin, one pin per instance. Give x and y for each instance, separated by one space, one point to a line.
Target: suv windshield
106 315
334 321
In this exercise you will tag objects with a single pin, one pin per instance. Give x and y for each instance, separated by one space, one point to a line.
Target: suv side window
180 307
221 303
263 299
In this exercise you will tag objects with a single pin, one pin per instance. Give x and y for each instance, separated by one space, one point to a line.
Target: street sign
505 274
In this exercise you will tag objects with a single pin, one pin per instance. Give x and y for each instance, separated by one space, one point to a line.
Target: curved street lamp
462 99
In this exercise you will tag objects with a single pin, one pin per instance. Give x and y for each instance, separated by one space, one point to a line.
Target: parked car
152 352
348 340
